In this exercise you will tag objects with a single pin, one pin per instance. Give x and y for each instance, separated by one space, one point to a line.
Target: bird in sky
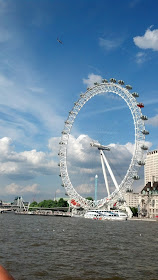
59 41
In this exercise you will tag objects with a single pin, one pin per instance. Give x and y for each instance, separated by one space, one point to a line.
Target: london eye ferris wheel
137 159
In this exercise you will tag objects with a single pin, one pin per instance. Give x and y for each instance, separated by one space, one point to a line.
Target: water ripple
54 248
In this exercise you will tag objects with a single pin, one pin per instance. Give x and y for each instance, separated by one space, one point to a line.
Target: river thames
51 248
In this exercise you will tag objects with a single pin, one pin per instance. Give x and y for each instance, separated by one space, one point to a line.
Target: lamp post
96 186
148 202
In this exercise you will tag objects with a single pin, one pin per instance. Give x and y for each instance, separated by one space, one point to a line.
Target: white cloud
92 78
129 147
34 157
85 188
141 57
14 189
83 162
153 121
148 41
53 145
110 44
23 115
8 168
80 152
24 165
5 143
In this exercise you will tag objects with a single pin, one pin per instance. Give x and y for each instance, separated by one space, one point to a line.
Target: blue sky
40 79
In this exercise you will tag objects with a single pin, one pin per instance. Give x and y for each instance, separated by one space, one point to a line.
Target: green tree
43 203
89 198
134 211
62 203
55 203
50 203
47 203
34 204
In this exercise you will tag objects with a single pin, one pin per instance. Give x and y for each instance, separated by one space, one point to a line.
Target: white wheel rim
137 155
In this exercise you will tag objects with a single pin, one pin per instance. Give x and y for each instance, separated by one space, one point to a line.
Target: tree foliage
134 211
62 203
50 203
89 198
34 204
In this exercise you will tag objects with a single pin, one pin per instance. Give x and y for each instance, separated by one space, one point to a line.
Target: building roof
152 152
148 187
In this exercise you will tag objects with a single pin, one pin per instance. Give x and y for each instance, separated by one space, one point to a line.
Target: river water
60 248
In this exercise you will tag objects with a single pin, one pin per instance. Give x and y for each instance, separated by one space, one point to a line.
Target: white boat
93 215
106 215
